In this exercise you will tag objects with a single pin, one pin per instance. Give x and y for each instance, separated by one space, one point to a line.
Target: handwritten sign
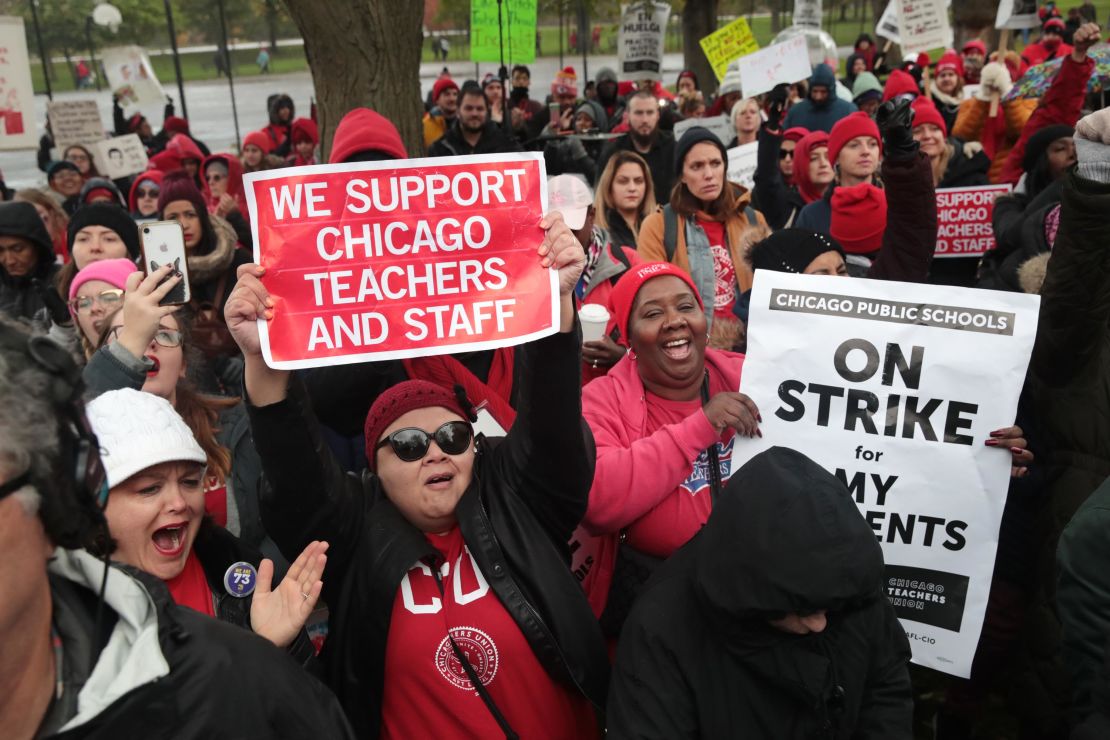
727 44
923 25
121 156
17 97
786 62
75 122
721 126
388 260
518 19
640 41
964 216
742 161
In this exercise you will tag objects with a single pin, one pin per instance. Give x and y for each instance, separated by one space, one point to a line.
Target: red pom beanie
858 218
925 112
443 83
951 61
794 134
364 130
398 401
975 45
260 140
848 128
624 294
899 83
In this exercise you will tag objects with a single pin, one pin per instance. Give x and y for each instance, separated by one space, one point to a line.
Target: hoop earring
631 354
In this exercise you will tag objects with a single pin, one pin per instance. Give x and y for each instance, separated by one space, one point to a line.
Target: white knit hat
139 430
731 81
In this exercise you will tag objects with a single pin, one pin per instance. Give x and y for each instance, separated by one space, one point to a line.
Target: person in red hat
445 106
953 164
855 150
900 85
256 155
974 56
306 137
948 87
453 612
1050 46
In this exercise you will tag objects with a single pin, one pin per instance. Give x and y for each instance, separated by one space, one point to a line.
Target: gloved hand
995 78
895 120
55 306
574 148
1092 146
972 148
776 106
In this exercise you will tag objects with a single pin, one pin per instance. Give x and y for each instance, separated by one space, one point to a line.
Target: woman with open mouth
156 470
664 420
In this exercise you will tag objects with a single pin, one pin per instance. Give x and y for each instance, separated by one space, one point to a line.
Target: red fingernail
759 418
991 443
759 433
998 432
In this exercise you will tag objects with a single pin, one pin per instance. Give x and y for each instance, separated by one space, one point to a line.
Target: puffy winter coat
170 670
697 657
527 494
973 124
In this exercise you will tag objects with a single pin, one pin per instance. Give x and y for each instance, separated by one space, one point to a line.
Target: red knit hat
899 83
260 140
304 129
1055 24
924 111
134 122
624 294
950 61
858 218
443 83
975 45
794 134
565 83
363 130
176 125
398 401
848 128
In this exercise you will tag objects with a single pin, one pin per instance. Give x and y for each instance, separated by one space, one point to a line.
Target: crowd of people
597 567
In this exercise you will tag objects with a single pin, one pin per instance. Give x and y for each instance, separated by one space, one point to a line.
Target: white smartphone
164 244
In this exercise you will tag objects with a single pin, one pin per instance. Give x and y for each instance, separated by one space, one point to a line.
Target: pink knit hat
114 272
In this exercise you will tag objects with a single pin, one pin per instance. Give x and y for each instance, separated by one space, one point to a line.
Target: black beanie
111 217
695 135
791 250
1038 143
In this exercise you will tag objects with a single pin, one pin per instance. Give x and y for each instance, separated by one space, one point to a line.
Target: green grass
291 59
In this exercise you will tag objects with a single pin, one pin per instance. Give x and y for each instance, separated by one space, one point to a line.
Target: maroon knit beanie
858 218
624 294
398 401
179 186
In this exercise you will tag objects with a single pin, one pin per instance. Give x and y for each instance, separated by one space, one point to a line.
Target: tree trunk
364 53
975 19
699 19
271 23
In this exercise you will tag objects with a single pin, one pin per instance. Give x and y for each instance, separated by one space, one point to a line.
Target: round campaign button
240 579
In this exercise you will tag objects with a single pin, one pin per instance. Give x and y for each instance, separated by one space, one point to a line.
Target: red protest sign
964 220
387 260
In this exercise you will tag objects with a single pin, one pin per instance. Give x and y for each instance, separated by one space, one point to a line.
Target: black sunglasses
784 153
411 444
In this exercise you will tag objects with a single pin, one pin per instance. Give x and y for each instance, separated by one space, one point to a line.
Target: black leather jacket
528 493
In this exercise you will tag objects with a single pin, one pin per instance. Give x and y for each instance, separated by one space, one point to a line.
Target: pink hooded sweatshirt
637 470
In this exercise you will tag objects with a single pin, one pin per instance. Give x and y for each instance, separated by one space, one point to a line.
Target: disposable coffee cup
594 318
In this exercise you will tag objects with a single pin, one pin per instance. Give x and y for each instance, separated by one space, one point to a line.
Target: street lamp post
42 49
230 79
176 60
92 49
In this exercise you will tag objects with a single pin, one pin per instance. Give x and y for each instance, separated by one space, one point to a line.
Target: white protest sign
74 122
640 40
17 97
887 27
121 156
807 13
923 25
1017 15
787 62
895 387
741 164
721 126
131 77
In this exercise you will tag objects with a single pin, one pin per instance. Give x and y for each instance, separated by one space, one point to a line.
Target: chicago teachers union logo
697 482
478 648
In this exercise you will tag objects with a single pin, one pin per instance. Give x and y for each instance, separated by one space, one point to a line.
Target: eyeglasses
411 444
144 193
784 153
106 298
213 177
164 337
77 158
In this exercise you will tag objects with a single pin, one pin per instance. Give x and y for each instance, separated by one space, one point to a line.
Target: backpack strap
749 213
670 231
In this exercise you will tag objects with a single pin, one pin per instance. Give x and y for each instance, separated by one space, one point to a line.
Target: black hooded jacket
19 297
697 657
492 141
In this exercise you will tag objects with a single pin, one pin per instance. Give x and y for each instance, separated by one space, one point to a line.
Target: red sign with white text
388 260
964 220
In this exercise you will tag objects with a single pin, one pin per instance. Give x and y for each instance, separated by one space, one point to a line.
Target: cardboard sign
887 27
1017 15
923 25
964 220
721 126
131 77
727 44
389 260
17 97
807 13
894 387
121 156
75 122
640 41
741 164
786 62
518 18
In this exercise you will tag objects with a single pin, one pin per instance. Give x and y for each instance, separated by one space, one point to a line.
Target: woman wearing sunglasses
156 522
448 570
147 347
143 198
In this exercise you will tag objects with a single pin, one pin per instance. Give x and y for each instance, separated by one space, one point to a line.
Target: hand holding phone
164 244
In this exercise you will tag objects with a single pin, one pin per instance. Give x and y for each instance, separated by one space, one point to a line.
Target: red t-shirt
427 692
190 587
679 516
725 294
215 499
